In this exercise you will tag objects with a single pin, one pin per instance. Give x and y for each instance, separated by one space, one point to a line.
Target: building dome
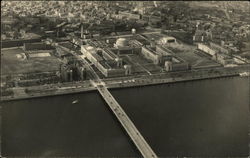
121 42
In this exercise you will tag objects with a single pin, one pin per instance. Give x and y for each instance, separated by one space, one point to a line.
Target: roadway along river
199 118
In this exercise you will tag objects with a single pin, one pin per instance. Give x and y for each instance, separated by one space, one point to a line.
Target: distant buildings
87 22
202 36
36 46
19 42
123 14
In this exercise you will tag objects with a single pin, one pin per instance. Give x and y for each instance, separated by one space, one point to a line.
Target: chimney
81 30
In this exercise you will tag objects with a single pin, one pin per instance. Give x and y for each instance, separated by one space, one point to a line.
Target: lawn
10 64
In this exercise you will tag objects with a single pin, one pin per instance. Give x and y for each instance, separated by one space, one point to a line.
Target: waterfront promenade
125 82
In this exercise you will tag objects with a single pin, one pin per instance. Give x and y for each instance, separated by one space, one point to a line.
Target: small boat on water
244 74
75 101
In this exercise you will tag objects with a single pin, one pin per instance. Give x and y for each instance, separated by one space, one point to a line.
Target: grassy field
10 64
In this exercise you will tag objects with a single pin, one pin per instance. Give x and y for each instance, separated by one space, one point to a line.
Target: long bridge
123 118
128 125
120 114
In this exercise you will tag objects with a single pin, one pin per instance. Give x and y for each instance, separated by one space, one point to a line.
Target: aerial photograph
125 79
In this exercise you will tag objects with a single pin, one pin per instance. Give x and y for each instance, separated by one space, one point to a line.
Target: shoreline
137 82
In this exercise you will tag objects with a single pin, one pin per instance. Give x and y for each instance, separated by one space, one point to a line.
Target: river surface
198 118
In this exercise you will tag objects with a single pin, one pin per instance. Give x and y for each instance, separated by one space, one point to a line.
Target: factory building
107 62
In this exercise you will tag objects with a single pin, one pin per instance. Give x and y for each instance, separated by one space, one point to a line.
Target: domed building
121 42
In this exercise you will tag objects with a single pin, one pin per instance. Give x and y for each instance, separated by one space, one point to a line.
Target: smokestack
57 32
81 31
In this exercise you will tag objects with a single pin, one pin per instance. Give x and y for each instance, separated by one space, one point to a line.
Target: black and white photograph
125 79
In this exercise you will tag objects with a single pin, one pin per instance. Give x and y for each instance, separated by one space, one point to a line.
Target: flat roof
105 65
96 56
110 53
151 50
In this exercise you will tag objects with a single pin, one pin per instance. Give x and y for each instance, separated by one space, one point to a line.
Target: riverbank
122 82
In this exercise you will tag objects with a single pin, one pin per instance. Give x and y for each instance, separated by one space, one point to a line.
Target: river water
198 118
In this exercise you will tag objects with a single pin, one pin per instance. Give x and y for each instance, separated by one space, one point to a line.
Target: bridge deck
128 125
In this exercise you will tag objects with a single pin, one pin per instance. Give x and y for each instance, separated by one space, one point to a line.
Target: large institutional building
109 61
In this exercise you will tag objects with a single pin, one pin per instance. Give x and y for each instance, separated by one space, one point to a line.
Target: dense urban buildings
61 47
119 38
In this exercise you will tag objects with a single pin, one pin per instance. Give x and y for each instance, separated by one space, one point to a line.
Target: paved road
128 125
